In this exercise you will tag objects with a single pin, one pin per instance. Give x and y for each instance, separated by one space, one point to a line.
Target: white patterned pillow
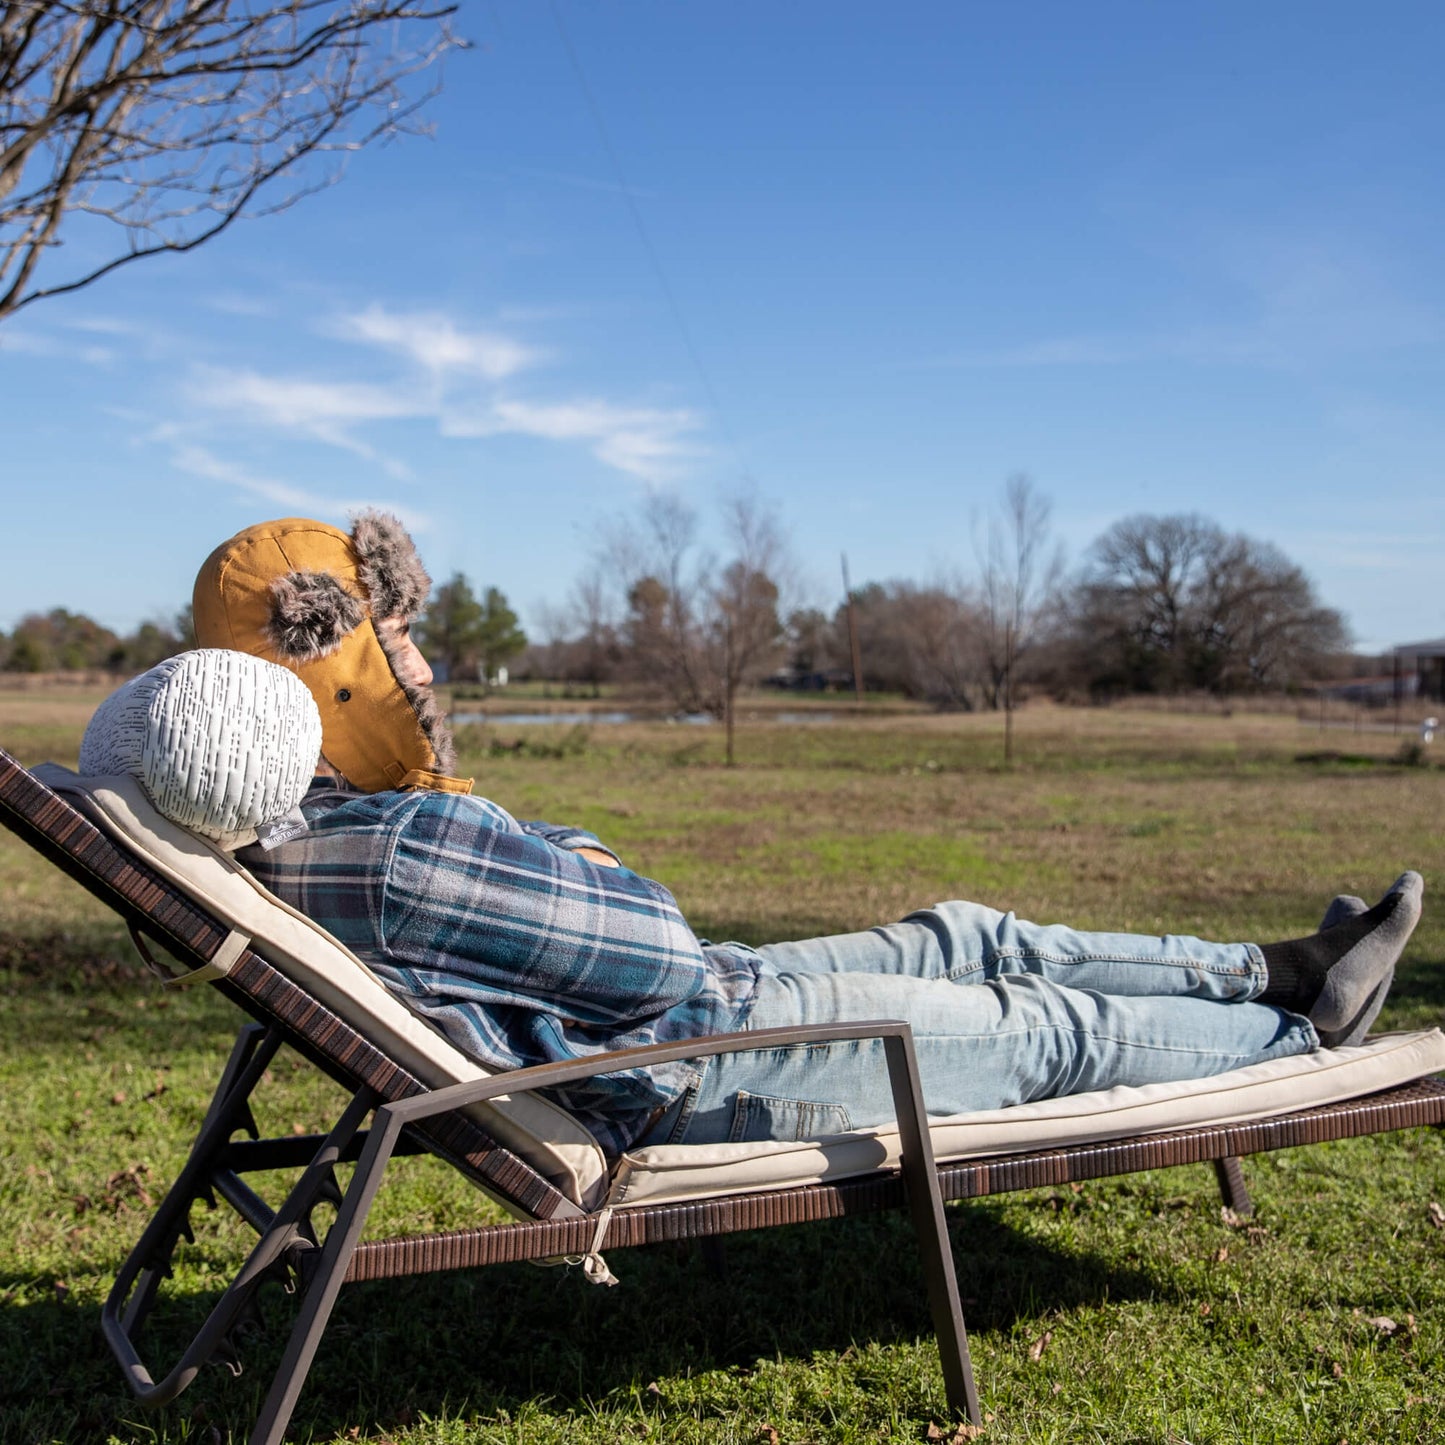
222 742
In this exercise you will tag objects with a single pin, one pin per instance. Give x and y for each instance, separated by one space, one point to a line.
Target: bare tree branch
169 119
1020 574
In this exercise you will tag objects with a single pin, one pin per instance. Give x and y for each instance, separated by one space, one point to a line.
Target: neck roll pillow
221 742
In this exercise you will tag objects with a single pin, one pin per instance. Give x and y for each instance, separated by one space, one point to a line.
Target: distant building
1377 690
1420 668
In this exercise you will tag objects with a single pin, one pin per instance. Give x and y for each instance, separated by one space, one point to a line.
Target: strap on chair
221 963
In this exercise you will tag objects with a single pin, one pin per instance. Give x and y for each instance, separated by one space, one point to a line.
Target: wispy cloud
198 461
232 303
451 380
20 342
435 342
107 326
645 442
324 410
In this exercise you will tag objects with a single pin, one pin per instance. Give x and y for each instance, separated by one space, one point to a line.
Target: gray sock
1342 906
1355 987
1354 1032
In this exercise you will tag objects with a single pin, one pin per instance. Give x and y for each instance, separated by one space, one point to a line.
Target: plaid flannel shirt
517 948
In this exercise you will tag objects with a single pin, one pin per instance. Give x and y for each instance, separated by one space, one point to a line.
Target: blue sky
868 259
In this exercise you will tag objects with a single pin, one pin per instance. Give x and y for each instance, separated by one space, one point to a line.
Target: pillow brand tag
283 830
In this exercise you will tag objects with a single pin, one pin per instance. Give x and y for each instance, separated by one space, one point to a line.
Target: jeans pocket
761 1117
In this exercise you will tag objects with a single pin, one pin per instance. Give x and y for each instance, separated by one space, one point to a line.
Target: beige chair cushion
554 1143
697 1171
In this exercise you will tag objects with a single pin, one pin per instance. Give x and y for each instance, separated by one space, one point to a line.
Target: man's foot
1339 976
1343 907
1354 1032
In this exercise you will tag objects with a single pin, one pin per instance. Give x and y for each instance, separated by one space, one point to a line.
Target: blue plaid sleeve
565 837
476 904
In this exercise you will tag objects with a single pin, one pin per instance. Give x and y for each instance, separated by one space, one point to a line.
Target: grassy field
1122 1311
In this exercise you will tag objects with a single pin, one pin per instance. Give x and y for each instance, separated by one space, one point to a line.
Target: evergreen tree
499 637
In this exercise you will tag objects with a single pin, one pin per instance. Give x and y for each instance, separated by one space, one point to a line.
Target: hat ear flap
388 567
311 614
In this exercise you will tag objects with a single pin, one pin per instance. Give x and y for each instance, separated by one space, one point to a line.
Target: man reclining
526 942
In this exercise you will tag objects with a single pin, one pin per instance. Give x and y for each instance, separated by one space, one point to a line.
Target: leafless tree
592 615
919 640
742 628
1177 602
550 656
1150 569
696 627
663 575
1020 571
169 119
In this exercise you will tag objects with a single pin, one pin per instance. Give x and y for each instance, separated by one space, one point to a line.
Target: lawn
1120 1311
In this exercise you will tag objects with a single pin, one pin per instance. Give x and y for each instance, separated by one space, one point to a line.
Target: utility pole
853 647
1008 694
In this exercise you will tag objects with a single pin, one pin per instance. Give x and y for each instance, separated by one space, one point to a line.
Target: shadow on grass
494 1341
1417 997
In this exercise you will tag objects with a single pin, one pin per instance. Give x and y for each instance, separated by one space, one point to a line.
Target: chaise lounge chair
215 925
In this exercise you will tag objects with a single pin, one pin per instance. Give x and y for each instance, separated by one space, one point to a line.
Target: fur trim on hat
428 713
311 612
388 566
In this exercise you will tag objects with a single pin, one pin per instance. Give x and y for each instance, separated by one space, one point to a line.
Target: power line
654 260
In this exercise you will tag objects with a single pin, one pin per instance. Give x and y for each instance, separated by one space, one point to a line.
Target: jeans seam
1244 970
1078 1032
689 1096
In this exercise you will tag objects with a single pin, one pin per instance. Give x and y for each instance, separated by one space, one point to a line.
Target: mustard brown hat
308 595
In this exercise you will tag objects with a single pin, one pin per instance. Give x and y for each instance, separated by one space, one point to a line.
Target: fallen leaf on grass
1384 1324
1036 1350
1221 1254
767 1436
1437 1215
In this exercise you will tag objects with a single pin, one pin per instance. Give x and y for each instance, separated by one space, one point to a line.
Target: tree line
1159 604
65 641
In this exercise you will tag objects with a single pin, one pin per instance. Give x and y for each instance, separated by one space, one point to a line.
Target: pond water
586 719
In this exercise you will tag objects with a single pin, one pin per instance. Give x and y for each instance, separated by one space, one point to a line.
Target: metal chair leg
1232 1188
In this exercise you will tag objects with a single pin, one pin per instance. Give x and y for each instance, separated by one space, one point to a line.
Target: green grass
1122 1311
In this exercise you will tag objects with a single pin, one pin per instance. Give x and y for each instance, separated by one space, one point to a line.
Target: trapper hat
308 595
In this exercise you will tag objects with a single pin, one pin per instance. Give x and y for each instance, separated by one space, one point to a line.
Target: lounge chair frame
408 1118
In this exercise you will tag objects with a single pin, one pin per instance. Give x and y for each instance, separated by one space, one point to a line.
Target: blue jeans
1002 1012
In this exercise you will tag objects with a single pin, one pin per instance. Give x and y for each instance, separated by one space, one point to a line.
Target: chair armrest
567 1071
